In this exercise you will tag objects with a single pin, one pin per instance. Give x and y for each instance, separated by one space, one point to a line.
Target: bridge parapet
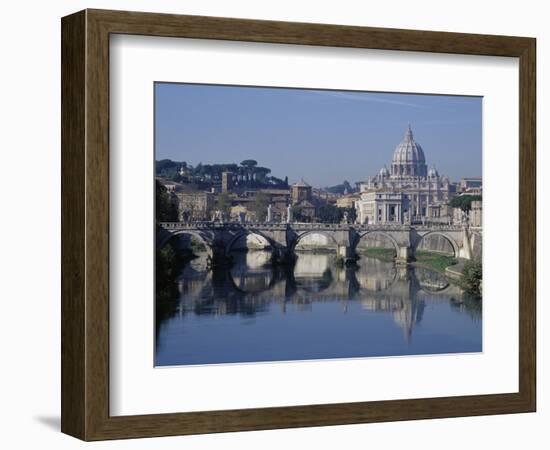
222 226
298 226
284 237
436 227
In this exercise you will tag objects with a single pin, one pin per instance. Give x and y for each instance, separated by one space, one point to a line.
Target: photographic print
304 224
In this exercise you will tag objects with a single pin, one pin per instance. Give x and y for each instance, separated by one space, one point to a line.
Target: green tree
249 163
275 181
198 170
464 202
330 214
259 206
176 177
166 266
208 171
168 168
472 276
261 174
299 215
166 204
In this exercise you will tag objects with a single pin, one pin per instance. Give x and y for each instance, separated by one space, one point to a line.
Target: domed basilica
407 192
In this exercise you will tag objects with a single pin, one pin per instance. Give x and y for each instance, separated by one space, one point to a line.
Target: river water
253 312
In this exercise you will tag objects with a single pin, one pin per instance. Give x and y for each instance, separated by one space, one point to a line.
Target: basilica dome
408 157
408 151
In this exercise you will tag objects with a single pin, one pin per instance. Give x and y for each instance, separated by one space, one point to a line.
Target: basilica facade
407 192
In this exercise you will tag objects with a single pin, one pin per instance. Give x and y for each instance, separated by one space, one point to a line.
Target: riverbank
435 261
316 249
381 253
466 274
430 260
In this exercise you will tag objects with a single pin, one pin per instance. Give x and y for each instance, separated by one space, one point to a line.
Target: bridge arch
247 282
448 238
177 234
324 233
430 281
388 236
244 234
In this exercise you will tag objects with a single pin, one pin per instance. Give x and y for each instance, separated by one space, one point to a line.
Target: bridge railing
305 226
438 226
267 225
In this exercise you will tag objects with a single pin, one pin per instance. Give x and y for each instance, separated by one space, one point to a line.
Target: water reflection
251 272
358 311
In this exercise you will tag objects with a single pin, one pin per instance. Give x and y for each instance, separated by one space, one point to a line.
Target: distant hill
246 174
341 188
167 168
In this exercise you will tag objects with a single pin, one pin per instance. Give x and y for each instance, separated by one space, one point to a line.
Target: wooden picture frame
85 224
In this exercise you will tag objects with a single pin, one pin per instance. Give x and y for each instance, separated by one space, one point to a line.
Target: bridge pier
218 257
282 256
347 254
465 252
404 254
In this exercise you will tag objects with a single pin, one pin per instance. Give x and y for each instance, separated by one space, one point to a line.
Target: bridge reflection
253 286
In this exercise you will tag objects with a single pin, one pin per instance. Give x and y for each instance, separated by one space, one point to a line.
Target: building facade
382 207
474 216
468 183
347 201
301 191
227 182
408 192
303 205
195 205
278 199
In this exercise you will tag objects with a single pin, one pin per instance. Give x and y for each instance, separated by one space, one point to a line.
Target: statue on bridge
289 218
269 217
185 217
465 218
217 216
345 218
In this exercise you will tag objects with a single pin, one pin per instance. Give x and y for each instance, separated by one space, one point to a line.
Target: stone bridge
220 238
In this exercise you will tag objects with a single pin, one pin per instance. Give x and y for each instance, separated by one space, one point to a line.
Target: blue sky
322 136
